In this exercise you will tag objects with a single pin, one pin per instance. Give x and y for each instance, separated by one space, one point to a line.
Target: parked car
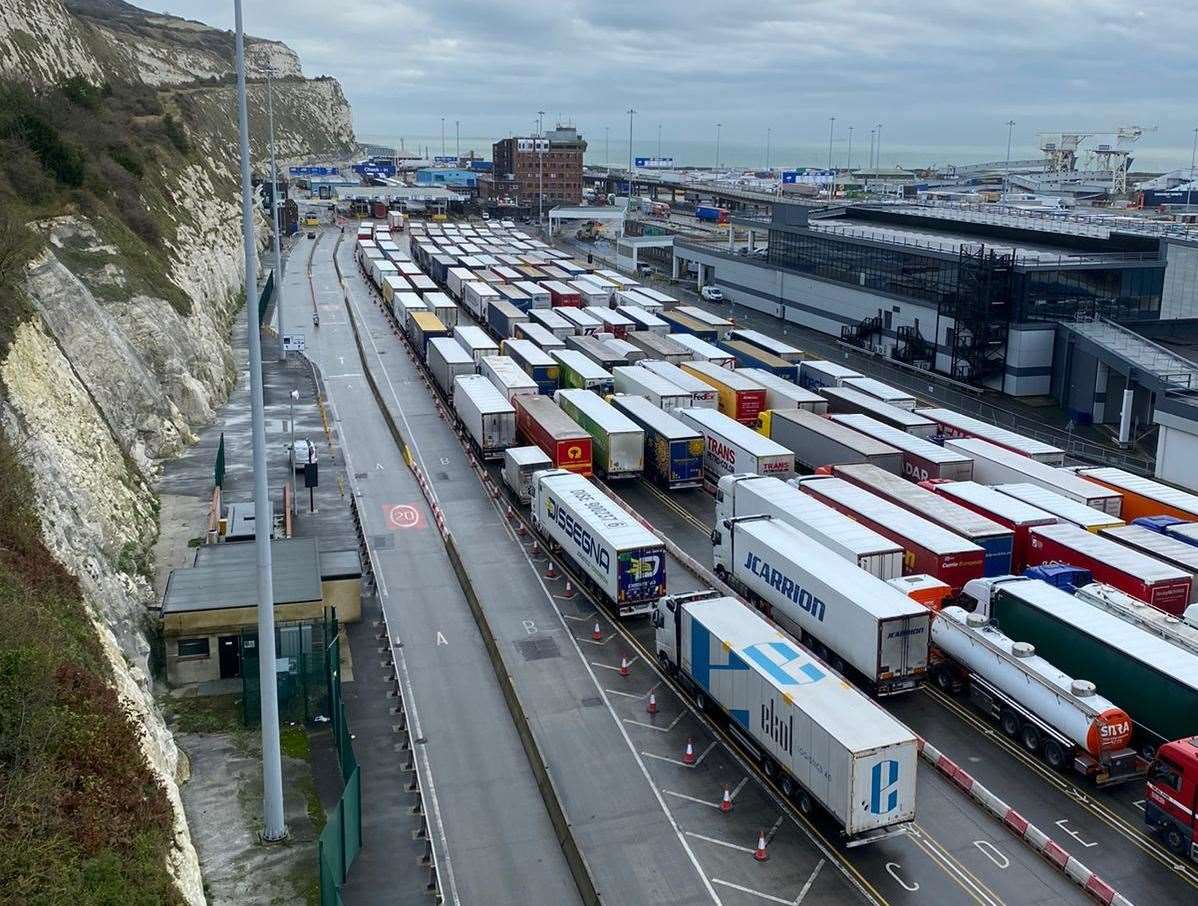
711 294
304 452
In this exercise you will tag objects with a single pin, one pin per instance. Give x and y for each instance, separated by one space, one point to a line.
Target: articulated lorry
829 746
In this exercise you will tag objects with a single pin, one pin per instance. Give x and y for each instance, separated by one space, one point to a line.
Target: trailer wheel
767 767
806 804
1010 723
1030 738
664 660
944 679
788 786
1054 754
700 700
1175 841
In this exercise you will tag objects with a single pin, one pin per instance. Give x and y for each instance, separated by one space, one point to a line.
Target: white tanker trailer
1060 718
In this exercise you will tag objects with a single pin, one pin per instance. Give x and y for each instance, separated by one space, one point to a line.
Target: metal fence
264 296
341 840
299 669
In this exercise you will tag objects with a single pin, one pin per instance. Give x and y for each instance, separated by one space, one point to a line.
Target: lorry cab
668 626
1171 796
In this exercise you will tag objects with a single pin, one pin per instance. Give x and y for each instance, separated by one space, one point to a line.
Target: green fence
264 297
300 650
341 839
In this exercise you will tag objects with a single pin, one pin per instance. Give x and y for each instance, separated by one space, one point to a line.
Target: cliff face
121 347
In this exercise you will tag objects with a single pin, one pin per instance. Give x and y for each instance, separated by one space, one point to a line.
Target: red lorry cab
1171 796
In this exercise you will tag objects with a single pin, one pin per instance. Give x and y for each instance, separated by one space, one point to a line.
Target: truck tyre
1175 840
1054 754
944 679
806 803
1010 723
664 660
768 768
1030 738
788 786
700 700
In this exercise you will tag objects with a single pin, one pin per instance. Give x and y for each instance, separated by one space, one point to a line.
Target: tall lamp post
718 127
274 216
769 134
1006 173
539 143
1193 157
443 136
274 828
832 184
628 197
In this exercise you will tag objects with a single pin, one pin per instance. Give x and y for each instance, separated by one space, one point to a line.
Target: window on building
193 647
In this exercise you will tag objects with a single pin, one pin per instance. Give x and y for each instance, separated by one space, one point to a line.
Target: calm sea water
734 152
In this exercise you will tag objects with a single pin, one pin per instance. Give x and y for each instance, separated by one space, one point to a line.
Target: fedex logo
883 787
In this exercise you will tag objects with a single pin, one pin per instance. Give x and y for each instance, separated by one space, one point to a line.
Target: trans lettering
786 586
583 539
721 451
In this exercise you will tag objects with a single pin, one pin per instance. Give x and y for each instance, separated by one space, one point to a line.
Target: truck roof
1058 504
709 371
581 363
605 518
528 456
919 500
676 375
1113 632
926 533
1112 553
657 419
655 382
900 439
835 369
876 388
698 345
996 502
453 354
1036 471
780 384
529 351
1145 487
881 408
730 429
1025 445
604 415
842 434
1169 549
846 714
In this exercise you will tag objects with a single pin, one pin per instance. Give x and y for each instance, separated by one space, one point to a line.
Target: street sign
445 159
293 342
312 171
651 163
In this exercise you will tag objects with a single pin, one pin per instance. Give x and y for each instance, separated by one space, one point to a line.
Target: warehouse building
1008 301
209 610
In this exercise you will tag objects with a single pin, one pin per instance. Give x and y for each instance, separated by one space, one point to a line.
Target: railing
341 840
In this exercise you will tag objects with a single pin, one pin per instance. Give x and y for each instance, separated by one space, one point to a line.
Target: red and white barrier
1022 828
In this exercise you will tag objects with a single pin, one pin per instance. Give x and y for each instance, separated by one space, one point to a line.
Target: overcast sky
943 77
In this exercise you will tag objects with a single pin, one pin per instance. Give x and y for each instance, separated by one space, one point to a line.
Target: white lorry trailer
617 557
862 625
488 417
829 746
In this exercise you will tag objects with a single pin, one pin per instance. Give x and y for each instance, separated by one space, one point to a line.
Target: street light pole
769 134
872 133
606 148
274 217
539 143
442 136
879 164
275 827
457 137
831 185
1006 173
1193 157
849 163
628 197
292 397
718 126
659 141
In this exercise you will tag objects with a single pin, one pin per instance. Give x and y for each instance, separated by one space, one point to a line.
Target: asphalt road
487 821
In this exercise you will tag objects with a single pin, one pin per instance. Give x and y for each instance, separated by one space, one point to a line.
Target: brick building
518 164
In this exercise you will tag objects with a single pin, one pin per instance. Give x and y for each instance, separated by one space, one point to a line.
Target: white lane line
610 667
736 846
714 805
624 694
605 640
756 893
679 762
673 724
774 829
810 881
638 695
740 786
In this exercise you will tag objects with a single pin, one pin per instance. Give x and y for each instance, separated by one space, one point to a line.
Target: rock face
114 373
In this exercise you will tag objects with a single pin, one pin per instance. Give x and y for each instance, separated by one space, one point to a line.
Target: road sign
293 342
312 171
403 516
651 163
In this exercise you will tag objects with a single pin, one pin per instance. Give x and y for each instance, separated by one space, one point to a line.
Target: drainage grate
594 702
538 649
443 476
383 542
359 475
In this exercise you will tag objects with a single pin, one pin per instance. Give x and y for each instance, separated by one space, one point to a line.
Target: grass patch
205 714
294 742
82 817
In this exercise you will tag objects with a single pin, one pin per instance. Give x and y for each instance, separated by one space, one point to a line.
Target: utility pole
274 218
659 141
457 137
1193 158
879 128
442 136
606 148
292 397
849 163
1006 173
872 134
628 197
539 144
769 134
272 772
718 126
832 184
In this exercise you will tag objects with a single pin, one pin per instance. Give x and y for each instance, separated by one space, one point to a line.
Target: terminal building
1030 305
548 167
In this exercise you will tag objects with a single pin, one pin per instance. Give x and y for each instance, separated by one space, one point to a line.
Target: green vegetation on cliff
82 817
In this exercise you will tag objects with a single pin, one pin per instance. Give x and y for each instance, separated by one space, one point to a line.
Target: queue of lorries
877 540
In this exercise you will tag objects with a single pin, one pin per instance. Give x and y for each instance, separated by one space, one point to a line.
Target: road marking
892 870
756 893
441 640
774 830
637 695
698 761
673 723
992 852
1074 834
810 880
714 805
744 849
609 667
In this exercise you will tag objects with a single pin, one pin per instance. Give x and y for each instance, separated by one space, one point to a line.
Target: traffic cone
536 549
596 634
652 706
726 804
551 571
569 592
761 855
624 671
521 530
688 757
510 512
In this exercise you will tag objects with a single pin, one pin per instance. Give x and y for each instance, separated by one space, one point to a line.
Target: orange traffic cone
569 591
761 855
596 634
624 671
688 757
726 804
652 706
551 571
